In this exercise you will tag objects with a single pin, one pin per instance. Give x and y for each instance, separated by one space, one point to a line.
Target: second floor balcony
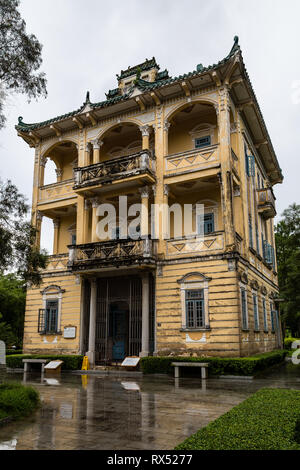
116 169
266 203
192 160
112 253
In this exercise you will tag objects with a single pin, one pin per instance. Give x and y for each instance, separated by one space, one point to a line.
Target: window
244 308
255 312
73 239
250 233
194 307
202 141
265 314
257 241
268 253
249 163
48 317
208 224
272 314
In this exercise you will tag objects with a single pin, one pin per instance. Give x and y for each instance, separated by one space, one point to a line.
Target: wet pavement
95 412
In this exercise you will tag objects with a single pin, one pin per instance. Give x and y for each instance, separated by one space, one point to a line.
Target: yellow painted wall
57 344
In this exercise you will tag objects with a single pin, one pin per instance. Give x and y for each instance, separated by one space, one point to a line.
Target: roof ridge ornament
87 98
235 46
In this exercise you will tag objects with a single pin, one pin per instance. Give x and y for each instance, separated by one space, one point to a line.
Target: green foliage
6 333
268 420
16 400
247 366
12 307
20 57
9 352
69 362
288 259
17 237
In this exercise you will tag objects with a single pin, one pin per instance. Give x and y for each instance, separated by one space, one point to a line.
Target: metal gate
111 291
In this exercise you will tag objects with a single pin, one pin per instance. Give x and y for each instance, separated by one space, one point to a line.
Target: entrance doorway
118 318
118 331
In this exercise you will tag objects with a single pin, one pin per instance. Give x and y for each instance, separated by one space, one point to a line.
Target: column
145 315
97 143
145 130
38 226
80 212
43 161
165 220
59 173
95 203
56 224
87 154
144 212
92 326
225 157
85 231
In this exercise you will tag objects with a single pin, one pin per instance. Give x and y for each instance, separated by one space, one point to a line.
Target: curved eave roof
161 86
141 84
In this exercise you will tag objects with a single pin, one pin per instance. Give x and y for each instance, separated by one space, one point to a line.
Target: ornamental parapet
115 169
192 160
266 203
116 253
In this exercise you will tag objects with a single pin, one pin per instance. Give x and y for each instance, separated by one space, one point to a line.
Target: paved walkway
98 412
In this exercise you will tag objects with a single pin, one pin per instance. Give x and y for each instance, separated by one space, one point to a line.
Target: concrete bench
202 365
34 361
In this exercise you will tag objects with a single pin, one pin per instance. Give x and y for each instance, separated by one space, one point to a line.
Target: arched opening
122 140
193 126
47 235
61 161
50 175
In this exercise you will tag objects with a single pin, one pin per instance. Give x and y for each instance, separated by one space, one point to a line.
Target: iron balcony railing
114 169
112 252
266 203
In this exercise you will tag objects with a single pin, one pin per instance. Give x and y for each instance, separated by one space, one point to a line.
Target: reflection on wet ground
152 412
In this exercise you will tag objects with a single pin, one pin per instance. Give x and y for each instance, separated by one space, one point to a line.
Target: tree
12 308
18 251
6 333
288 260
20 57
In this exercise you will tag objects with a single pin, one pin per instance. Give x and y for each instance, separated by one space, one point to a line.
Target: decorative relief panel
195 245
191 160
56 191
58 263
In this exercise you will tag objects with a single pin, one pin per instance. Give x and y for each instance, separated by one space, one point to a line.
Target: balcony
195 246
117 169
112 253
56 192
192 160
266 203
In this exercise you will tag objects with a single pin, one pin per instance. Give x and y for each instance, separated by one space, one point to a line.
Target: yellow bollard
85 363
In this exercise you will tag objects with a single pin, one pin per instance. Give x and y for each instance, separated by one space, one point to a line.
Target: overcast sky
85 44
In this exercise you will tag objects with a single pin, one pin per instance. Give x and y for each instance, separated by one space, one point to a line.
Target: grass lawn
17 400
268 420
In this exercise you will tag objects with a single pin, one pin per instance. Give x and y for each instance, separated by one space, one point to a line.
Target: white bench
202 365
34 361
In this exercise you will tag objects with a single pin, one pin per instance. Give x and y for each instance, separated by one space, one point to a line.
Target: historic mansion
199 138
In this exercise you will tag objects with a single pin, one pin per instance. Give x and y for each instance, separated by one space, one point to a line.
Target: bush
69 362
17 400
268 420
247 366
289 341
9 352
